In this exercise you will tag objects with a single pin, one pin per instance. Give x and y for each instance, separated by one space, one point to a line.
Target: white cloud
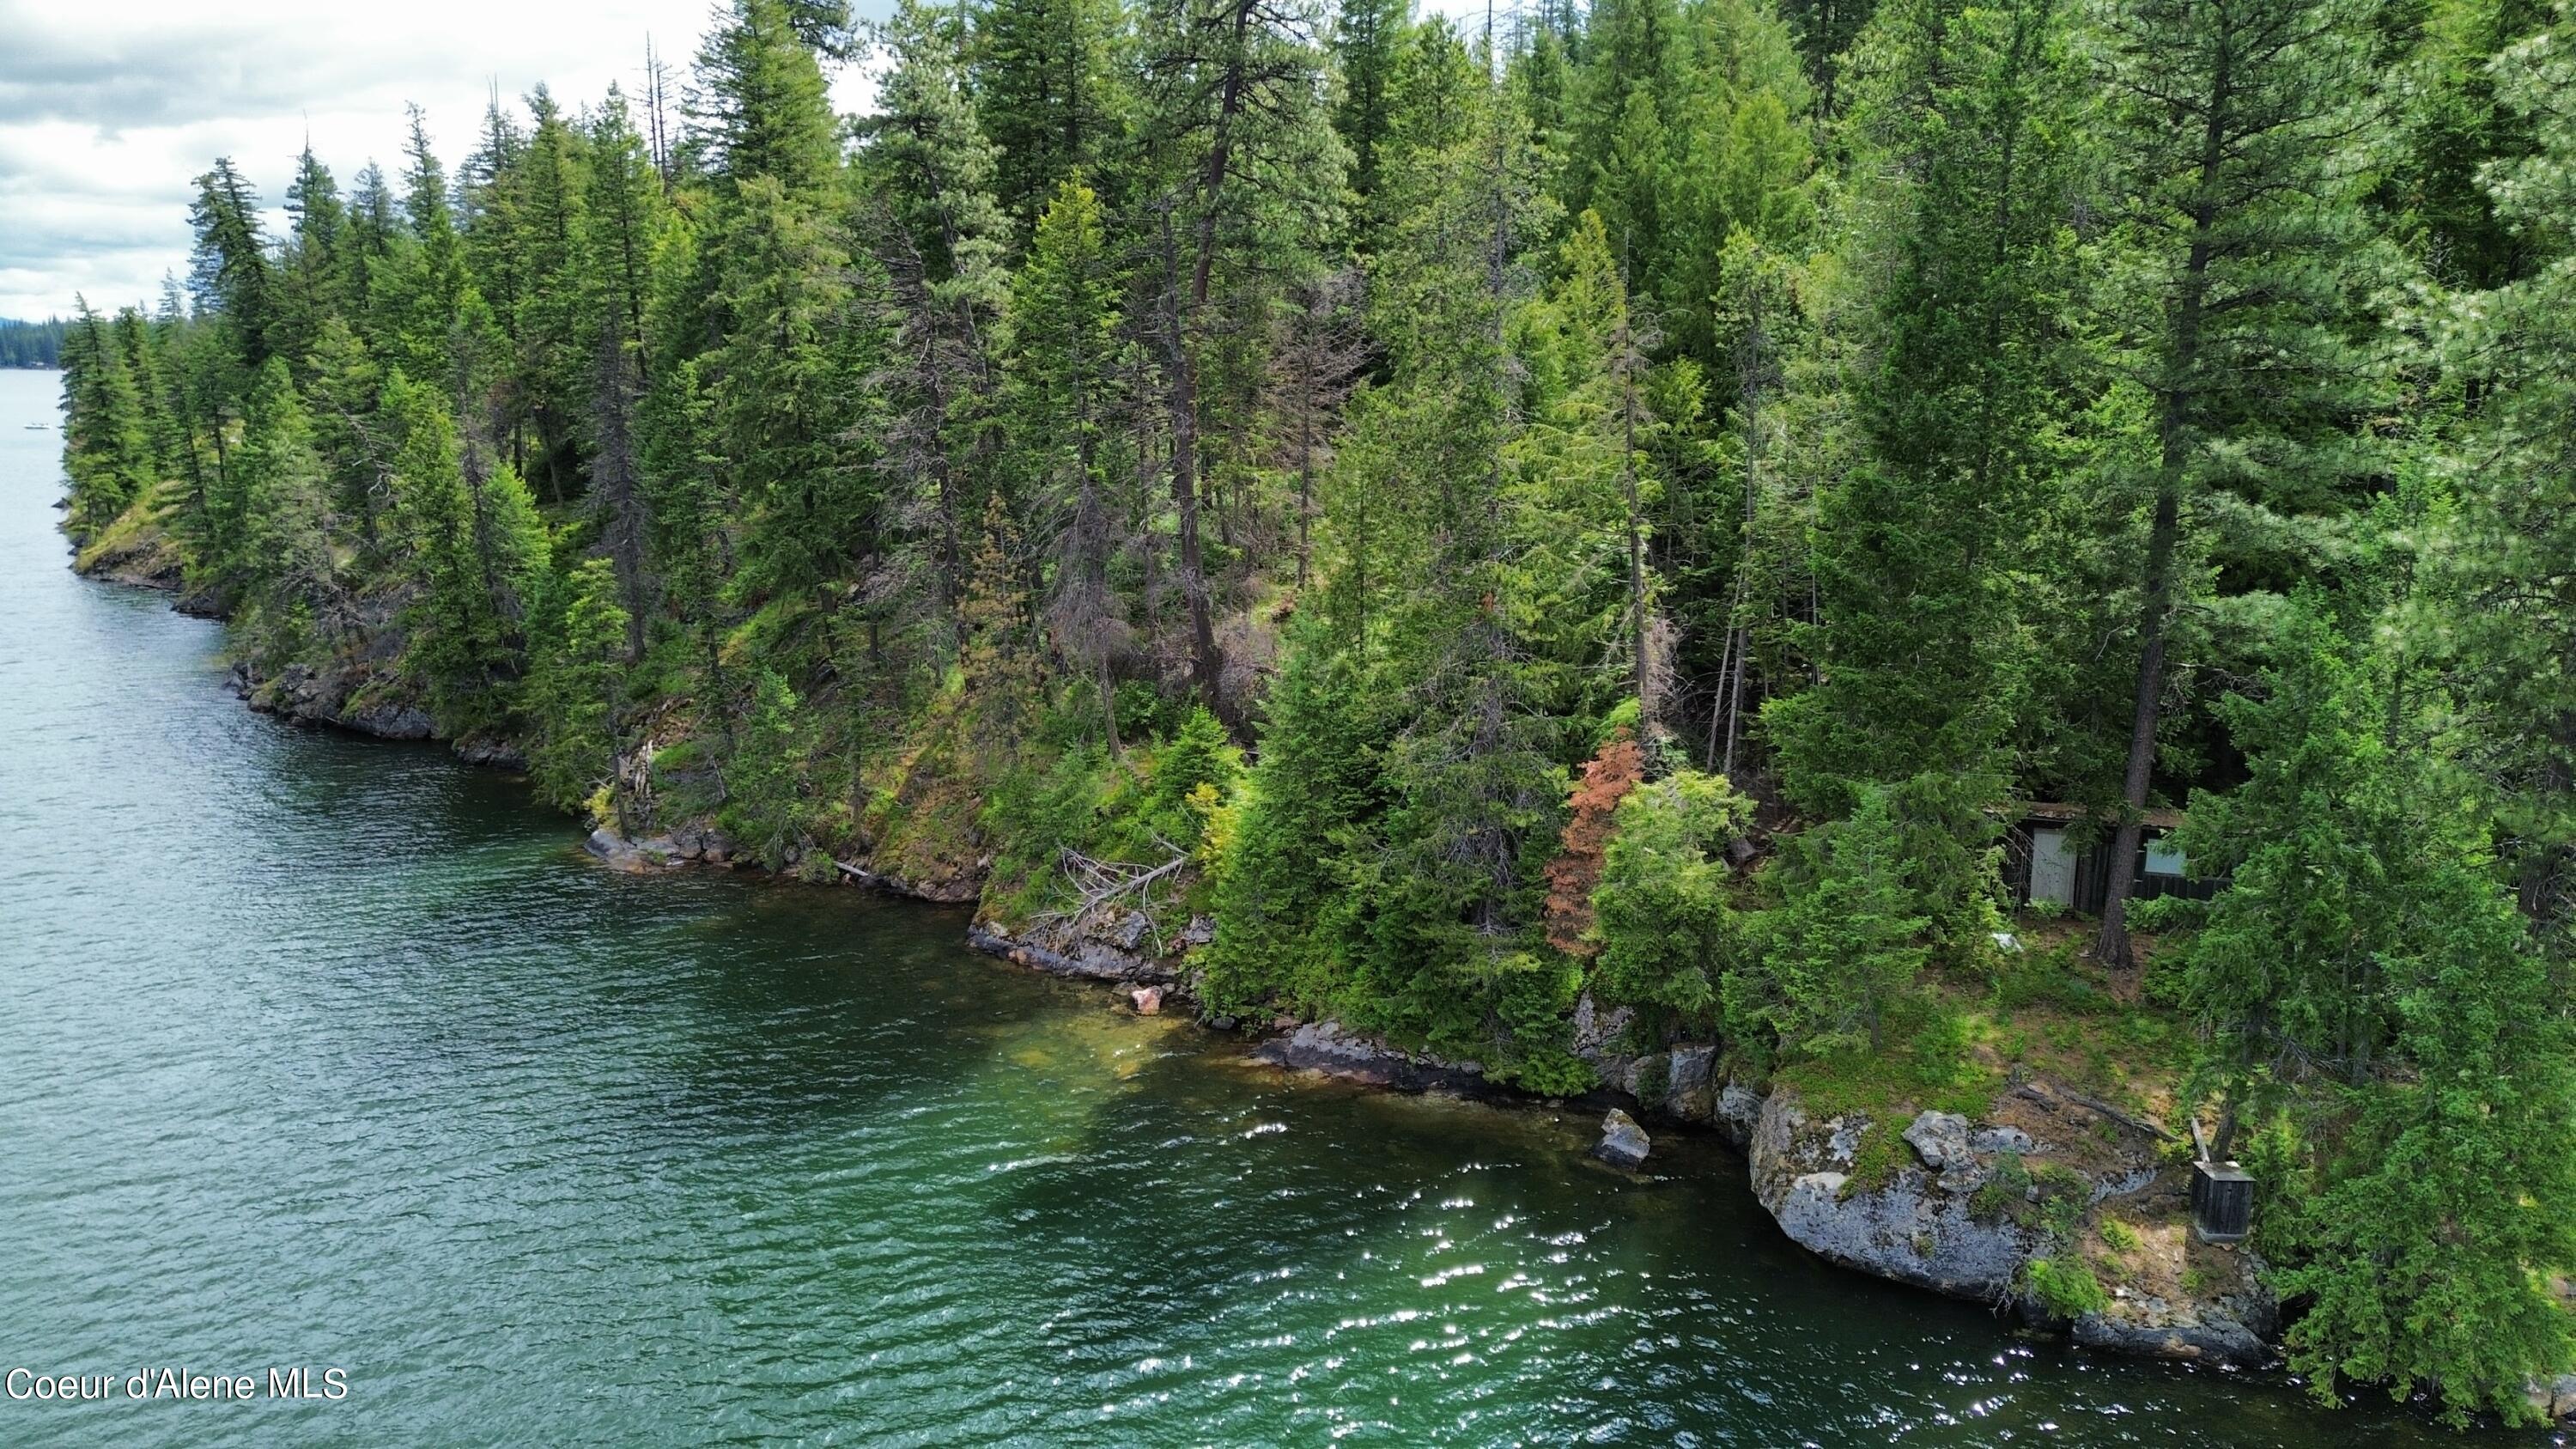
107 111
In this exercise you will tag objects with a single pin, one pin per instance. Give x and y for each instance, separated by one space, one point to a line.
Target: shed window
2164 859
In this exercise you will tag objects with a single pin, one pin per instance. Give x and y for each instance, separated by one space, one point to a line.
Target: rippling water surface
327 1052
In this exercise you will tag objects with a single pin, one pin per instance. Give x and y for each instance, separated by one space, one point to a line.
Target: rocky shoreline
1962 1211
1938 1222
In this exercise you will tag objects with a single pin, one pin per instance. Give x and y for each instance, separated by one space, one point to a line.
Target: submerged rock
1148 1000
1623 1143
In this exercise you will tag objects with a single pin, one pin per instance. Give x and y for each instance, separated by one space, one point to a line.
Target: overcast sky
108 108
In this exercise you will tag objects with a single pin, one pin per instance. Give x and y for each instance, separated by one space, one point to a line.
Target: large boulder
1623 1143
1904 1228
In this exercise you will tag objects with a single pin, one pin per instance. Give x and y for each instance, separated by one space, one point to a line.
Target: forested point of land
1627 504
31 344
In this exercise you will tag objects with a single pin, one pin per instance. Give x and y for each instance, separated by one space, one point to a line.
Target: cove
331 1053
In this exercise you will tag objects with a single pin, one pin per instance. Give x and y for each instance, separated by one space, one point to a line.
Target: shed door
2052 867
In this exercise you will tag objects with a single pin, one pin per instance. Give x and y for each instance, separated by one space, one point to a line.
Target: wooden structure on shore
2059 854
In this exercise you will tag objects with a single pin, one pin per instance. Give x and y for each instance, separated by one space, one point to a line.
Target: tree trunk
2175 389
2112 947
1206 667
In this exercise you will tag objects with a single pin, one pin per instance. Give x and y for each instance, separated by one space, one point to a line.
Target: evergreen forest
1583 507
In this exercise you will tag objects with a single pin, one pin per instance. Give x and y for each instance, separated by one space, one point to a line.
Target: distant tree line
31 344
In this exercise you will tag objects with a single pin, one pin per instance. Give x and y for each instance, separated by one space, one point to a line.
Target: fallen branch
1100 882
2134 1124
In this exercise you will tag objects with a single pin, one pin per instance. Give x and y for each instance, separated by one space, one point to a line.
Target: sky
110 108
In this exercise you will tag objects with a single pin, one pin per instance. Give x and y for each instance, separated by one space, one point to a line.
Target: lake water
318 1051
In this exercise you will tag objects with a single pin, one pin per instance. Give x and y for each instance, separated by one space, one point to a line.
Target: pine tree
1051 95
279 556
2500 609
1243 172
231 271
105 447
785 394
1921 547
2231 225
1367 37
1831 960
941 244
1665 930
621 228
310 286
1061 397
553 364
574 684
471 540
765 806
430 318
2373 1003
761 107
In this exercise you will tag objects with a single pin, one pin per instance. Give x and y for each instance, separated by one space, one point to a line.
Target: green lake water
319 1051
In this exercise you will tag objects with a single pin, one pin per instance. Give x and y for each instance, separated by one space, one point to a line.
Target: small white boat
40 427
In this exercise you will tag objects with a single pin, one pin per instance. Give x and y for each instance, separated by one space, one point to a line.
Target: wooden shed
2061 854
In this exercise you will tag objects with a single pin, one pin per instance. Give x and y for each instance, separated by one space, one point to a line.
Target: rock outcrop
2205 1332
1905 1228
688 845
1325 1046
1125 950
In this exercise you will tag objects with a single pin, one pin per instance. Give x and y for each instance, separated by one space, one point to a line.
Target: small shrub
2065 1286
2119 1236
